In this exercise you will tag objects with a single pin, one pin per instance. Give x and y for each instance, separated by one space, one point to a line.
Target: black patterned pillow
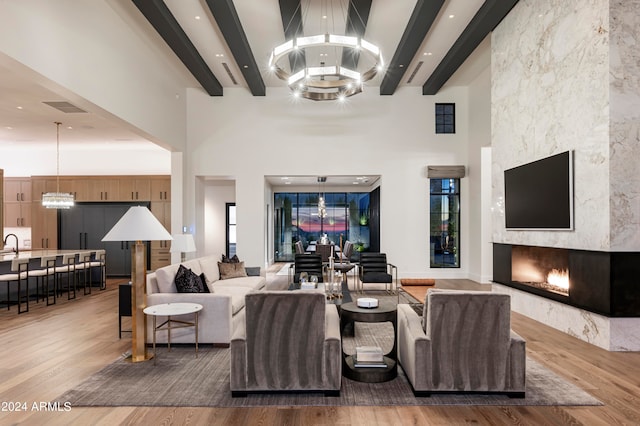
204 283
187 281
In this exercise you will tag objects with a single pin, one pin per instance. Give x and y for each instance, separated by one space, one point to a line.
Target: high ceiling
227 43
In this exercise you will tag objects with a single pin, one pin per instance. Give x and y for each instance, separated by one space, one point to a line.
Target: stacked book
369 356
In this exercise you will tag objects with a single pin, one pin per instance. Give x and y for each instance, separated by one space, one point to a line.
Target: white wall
245 138
94 54
216 194
18 160
480 251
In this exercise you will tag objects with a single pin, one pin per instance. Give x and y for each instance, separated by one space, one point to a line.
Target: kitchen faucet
16 237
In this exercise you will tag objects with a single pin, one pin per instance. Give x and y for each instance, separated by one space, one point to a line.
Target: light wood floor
51 349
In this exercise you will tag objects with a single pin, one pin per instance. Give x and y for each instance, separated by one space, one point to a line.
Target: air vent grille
228 70
65 107
415 71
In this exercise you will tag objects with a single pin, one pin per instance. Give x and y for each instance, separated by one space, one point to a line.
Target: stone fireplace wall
550 93
566 76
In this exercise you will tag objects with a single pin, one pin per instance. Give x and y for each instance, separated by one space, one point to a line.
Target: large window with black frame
444 223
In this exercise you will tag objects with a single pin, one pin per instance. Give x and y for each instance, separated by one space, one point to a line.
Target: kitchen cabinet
161 189
44 227
17 202
134 189
160 250
97 189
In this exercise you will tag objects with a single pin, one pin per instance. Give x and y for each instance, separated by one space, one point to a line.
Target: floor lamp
138 224
182 243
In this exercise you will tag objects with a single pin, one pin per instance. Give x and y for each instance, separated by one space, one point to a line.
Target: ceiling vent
65 107
415 71
226 68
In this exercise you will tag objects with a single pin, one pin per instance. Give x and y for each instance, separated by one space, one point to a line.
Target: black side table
124 306
385 312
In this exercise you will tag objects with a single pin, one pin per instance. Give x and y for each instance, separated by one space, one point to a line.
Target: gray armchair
286 341
463 343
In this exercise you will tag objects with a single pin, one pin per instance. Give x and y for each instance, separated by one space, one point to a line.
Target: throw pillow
233 259
204 283
187 281
231 270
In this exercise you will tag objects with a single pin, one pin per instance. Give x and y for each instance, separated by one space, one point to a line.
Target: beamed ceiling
227 43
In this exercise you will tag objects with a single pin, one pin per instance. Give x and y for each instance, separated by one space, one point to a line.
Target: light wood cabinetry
44 221
160 250
17 202
134 189
161 189
101 190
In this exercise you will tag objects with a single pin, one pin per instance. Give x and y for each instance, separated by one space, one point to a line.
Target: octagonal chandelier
325 81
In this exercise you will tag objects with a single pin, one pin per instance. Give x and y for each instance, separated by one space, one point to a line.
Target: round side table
385 312
168 310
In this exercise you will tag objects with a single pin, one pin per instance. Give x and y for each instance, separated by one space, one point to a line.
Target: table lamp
138 224
182 243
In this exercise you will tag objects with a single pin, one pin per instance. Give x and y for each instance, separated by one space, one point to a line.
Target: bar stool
82 264
42 276
19 273
99 260
67 267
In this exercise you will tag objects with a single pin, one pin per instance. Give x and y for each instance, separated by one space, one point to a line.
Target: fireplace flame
559 278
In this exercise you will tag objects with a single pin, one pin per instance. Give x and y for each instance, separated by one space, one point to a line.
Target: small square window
445 118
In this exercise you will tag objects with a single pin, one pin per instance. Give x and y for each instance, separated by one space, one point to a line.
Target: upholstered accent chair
286 341
309 263
463 343
375 269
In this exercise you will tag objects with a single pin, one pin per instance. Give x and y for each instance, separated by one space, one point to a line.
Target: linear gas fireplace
541 267
607 283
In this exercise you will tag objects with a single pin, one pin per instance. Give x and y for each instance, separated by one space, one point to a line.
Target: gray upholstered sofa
463 343
225 300
286 341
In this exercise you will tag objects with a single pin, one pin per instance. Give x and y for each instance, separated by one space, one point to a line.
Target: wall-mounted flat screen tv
539 195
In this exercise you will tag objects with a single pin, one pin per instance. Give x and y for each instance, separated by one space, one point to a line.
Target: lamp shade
182 243
137 224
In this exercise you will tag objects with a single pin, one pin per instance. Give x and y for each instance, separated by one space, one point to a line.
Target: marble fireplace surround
603 303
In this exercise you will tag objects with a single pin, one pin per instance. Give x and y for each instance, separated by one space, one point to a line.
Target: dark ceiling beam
423 16
291 13
485 20
160 17
224 12
357 17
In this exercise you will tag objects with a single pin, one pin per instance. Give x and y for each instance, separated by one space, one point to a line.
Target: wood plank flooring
51 349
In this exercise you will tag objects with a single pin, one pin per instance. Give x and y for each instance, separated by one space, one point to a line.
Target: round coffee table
385 312
168 310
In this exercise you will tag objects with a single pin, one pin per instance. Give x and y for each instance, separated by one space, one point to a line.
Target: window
444 208
296 219
445 118
231 229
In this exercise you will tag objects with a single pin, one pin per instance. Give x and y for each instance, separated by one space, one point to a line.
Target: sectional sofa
220 305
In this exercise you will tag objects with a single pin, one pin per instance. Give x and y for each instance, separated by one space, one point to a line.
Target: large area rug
181 380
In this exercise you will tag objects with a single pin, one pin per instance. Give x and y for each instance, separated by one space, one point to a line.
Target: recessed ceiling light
9 128
324 16
401 65
19 107
452 16
284 178
356 183
69 127
246 66
197 17
427 54
219 55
